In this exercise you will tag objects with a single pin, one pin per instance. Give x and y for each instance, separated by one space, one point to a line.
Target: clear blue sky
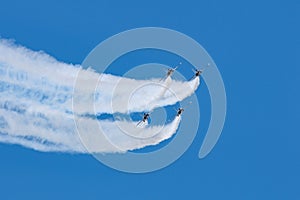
256 46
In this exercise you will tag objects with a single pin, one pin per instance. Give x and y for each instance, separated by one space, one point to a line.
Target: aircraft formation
169 72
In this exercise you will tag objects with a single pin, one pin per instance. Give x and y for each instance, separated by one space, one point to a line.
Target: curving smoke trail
57 132
37 93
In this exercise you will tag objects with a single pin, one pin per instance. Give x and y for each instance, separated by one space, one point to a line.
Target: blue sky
256 48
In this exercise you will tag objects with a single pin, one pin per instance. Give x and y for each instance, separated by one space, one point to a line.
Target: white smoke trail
57 132
121 136
36 93
42 78
52 130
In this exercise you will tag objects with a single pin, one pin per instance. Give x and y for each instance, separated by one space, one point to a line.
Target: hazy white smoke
36 93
